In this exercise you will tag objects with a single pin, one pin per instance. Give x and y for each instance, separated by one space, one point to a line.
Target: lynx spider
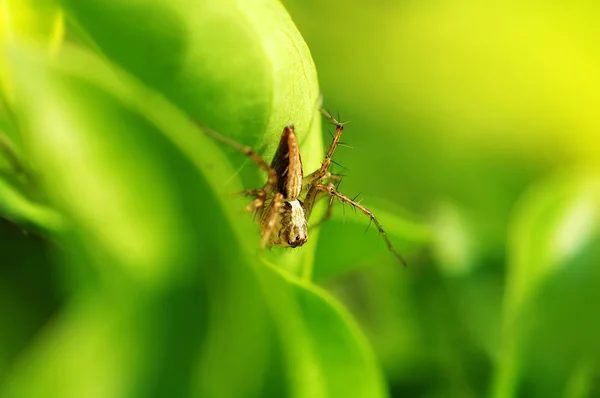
282 216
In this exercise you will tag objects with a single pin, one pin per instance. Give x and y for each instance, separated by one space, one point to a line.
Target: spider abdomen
288 165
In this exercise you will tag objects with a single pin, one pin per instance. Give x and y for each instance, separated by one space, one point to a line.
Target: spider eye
292 242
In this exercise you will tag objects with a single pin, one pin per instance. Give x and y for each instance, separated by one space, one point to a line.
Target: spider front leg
322 173
257 204
339 129
332 191
260 194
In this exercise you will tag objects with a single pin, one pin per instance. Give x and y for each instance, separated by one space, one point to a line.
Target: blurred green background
128 270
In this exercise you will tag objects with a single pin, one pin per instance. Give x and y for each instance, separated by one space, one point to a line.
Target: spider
284 204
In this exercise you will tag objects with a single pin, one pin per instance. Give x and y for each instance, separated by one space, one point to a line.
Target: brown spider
283 217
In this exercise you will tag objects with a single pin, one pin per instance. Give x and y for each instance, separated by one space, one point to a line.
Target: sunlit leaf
240 68
30 21
135 196
326 353
150 223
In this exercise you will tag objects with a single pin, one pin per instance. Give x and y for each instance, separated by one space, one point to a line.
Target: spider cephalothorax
284 204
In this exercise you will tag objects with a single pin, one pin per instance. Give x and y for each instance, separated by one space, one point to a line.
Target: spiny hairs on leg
259 194
331 190
339 129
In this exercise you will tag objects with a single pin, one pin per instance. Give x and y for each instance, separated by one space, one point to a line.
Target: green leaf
27 213
160 258
30 21
552 252
36 21
20 199
40 23
145 205
330 356
239 67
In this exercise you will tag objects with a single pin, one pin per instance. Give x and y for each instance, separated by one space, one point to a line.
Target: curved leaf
552 247
239 67
28 21
21 210
144 220
149 224
327 354
23 21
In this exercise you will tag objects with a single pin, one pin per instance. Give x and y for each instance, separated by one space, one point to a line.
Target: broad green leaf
552 251
142 190
23 21
116 168
20 198
30 20
139 187
238 67
327 355
37 21
26 213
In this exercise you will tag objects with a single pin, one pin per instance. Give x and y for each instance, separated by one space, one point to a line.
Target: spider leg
260 197
332 191
312 195
269 219
246 150
249 192
261 194
321 194
320 174
316 177
339 129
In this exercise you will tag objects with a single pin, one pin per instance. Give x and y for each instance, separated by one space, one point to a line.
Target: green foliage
128 269
553 254
156 282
